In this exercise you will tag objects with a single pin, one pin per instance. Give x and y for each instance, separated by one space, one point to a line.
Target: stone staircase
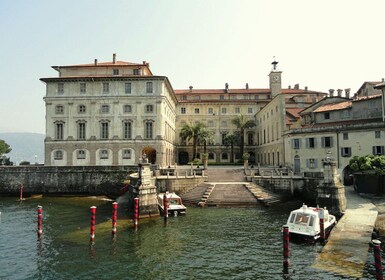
264 196
197 194
231 194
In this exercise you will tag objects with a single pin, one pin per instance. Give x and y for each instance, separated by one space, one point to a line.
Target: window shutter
331 141
307 142
342 151
349 152
374 150
323 142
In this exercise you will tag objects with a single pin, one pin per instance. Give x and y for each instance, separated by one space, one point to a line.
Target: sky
323 45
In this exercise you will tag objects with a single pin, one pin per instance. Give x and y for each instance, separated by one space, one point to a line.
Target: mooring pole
39 221
286 249
377 259
114 216
165 206
321 214
136 212
21 192
93 222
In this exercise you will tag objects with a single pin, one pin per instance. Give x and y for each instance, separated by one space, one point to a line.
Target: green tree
205 136
194 132
242 123
4 149
231 140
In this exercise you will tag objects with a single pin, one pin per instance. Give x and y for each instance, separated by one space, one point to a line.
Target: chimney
339 92
331 92
114 58
191 88
347 93
289 87
226 87
96 62
382 80
247 85
296 86
306 88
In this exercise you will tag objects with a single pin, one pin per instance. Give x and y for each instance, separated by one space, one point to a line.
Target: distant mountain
25 146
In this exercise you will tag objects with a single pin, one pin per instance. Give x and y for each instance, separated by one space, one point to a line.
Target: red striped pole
39 220
322 224
286 249
136 212
114 216
93 222
165 206
21 192
377 259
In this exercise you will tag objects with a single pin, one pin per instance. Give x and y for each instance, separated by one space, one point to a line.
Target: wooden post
114 216
286 249
21 192
39 221
377 259
136 212
93 222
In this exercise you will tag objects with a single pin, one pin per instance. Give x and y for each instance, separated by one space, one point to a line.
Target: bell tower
275 80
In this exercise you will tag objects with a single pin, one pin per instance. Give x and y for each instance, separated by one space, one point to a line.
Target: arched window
58 155
225 156
126 154
81 154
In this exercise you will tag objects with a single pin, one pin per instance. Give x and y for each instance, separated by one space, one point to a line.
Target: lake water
207 243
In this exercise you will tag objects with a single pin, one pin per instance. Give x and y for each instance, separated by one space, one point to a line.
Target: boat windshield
302 219
174 201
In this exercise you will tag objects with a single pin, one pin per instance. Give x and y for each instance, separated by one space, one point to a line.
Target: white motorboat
305 222
175 205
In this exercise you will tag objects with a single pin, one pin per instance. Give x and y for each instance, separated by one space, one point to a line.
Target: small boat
305 222
175 205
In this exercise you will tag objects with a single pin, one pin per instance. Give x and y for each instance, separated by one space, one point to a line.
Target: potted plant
245 158
204 157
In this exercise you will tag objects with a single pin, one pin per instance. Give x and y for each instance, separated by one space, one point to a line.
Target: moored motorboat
305 222
174 206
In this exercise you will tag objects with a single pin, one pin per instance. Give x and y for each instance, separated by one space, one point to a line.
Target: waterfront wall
95 180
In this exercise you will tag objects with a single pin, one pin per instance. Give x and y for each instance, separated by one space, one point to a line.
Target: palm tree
205 136
194 132
231 140
242 123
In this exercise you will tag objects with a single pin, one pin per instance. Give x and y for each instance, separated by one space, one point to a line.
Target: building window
310 142
59 131
83 88
250 110
81 131
346 151
60 88
378 150
58 155
311 163
127 109
184 97
326 116
149 108
221 97
211 111
345 136
377 134
296 143
127 88
81 154
136 71
127 154
148 131
81 109
104 130
327 142
210 123
250 138
127 130
106 87
149 87
224 110
237 110
183 110
196 110
225 156
115 72
103 154
211 156
59 109
105 109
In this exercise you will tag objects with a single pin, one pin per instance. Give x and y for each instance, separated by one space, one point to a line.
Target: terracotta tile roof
117 63
342 123
222 91
294 111
361 98
334 107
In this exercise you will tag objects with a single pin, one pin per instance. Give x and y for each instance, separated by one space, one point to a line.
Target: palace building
112 113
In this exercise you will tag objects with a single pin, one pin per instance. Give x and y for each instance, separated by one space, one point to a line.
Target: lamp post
382 88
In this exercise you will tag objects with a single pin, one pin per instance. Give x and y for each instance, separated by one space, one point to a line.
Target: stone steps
264 196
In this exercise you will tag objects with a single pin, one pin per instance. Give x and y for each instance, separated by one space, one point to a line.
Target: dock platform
346 251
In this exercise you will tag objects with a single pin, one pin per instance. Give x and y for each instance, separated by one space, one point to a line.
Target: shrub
368 163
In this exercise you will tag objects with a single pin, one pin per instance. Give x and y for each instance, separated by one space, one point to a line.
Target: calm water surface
208 243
